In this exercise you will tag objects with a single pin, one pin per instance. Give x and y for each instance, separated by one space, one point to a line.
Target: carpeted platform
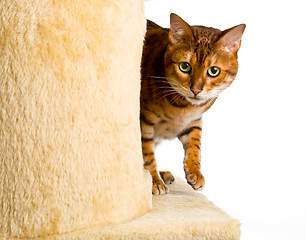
182 214
69 130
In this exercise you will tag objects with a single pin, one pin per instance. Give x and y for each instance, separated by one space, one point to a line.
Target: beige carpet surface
182 214
70 142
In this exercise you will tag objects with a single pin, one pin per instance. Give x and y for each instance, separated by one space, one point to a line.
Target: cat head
201 62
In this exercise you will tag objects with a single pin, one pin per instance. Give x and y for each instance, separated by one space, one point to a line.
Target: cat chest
168 130
171 128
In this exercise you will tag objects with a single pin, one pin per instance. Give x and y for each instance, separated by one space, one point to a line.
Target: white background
253 149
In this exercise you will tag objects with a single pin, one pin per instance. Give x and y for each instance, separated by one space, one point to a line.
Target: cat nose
196 91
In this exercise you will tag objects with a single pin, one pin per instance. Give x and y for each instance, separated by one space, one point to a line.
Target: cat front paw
167 177
159 187
195 180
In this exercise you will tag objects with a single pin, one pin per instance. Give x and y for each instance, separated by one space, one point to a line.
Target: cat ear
180 31
230 39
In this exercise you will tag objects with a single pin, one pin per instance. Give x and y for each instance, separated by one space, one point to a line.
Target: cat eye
185 67
213 71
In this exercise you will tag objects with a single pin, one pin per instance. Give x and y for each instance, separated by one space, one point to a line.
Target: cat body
179 83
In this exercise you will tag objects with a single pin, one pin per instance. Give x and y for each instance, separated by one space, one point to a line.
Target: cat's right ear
180 31
230 40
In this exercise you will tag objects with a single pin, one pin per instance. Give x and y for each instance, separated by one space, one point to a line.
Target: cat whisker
170 81
159 77
170 91
168 94
155 77
178 97
163 81
164 87
157 80
183 90
175 98
164 78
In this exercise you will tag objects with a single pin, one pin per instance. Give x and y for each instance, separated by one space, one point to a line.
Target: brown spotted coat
173 101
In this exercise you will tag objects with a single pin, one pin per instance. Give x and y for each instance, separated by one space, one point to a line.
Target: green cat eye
213 71
185 67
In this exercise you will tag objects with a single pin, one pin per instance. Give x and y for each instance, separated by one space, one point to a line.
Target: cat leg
149 162
191 140
167 177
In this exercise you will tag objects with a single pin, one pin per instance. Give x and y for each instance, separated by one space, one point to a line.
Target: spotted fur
173 102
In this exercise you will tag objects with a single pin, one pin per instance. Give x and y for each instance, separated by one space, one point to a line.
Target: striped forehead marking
203 45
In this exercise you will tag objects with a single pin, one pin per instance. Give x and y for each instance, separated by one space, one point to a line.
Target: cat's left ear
180 31
230 39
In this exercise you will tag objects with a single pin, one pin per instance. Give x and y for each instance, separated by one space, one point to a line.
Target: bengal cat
184 69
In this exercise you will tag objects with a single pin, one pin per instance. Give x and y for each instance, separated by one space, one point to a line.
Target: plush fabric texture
183 214
70 145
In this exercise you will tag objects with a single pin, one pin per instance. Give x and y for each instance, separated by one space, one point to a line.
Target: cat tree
71 165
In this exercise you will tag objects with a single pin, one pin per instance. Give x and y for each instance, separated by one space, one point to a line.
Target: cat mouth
195 100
